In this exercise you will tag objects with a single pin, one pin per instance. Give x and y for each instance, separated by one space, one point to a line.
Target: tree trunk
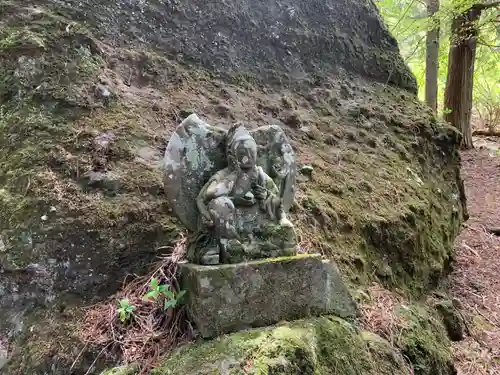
459 83
432 57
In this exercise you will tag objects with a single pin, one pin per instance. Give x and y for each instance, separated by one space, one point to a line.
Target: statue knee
222 212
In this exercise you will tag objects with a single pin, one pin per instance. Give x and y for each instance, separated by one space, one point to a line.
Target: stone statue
232 189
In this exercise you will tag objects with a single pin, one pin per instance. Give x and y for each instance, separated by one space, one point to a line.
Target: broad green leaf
162 288
151 295
169 294
169 303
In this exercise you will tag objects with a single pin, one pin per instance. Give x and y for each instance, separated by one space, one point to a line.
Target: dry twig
151 330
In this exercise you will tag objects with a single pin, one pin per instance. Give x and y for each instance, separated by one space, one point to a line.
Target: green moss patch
423 339
83 125
310 347
396 213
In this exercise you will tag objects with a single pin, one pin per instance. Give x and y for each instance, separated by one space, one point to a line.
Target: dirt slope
475 280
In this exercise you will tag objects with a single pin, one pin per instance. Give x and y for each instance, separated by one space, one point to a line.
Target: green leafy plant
125 309
408 22
171 298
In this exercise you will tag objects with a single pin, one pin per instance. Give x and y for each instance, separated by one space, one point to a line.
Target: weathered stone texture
297 40
233 297
194 153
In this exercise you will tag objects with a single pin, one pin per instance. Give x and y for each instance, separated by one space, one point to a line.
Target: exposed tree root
151 330
486 133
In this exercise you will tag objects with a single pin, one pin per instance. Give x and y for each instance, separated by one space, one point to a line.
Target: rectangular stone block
232 297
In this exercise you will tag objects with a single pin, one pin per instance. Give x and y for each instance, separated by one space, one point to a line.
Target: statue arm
201 201
217 186
268 183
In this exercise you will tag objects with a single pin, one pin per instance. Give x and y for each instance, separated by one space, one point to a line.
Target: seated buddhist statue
241 210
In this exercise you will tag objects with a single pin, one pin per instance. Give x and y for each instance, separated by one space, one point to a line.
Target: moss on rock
308 347
424 341
122 370
452 320
232 297
385 199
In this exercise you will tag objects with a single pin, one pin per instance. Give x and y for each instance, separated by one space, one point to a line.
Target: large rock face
295 40
90 90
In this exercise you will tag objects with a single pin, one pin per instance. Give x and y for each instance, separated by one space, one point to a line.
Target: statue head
241 148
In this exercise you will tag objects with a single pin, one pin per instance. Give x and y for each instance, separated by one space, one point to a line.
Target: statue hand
259 192
241 200
206 222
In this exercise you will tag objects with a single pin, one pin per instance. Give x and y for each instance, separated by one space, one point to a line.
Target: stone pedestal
232 297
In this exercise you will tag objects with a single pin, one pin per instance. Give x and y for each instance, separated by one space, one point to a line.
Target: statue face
246 154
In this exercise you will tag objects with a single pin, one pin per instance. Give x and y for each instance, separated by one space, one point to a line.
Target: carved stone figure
232 189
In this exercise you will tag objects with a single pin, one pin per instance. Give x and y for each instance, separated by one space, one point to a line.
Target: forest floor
475 281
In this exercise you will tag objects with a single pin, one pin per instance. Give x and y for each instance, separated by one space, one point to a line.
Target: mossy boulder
232 297
308 347
86 105
423 340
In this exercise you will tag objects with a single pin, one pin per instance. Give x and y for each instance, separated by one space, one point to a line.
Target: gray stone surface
232 297
274 41
195 152
4 356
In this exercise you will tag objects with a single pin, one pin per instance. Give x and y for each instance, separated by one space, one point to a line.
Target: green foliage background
408 22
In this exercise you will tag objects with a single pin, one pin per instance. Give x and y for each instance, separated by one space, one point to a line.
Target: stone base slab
232 297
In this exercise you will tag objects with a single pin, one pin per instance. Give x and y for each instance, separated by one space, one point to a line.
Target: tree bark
432 57
461 60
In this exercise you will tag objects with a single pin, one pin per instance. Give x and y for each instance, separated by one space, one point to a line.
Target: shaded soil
475 281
